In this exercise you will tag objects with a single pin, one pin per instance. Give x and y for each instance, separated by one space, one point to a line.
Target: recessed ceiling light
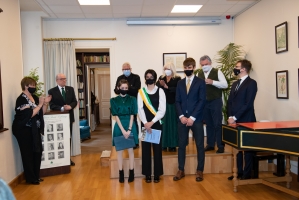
94 2
186 8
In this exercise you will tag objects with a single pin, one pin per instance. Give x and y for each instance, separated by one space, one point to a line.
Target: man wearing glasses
134 85
63 99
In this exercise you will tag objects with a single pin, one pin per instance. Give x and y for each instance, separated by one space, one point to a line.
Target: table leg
235 170
288 169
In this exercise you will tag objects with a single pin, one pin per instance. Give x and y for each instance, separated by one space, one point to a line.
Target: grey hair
205 57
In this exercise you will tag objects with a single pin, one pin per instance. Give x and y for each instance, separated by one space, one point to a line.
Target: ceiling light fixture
186 8
94 2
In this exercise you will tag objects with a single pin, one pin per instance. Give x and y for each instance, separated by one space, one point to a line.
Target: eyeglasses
62 79
126 69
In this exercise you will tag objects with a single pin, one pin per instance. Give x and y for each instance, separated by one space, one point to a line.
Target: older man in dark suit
241 109
63 99
190 101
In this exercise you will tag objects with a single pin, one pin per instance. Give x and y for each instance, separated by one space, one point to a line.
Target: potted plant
227 59
39 85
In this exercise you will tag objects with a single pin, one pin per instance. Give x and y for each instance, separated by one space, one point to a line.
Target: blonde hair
170 66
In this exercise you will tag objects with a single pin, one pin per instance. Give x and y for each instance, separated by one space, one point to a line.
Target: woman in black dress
168 83
153 97
27 127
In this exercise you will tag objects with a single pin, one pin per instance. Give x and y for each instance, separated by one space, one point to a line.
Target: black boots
131 175
121 176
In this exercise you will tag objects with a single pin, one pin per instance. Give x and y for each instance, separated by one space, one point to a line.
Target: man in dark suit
241 109
134 85
190 101
63 99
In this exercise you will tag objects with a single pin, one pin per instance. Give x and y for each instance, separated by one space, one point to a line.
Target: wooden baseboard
16 181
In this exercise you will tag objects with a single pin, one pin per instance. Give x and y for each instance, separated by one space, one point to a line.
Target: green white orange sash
146 100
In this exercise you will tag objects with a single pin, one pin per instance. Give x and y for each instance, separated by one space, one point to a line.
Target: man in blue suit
190 101
241 109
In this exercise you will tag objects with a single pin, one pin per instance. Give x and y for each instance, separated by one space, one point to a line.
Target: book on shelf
78 63
79 72
80 85
103 58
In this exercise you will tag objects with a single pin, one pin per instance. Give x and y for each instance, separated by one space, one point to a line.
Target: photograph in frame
282 89
176 58
281 37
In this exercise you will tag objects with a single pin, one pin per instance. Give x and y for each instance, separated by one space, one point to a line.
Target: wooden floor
88 180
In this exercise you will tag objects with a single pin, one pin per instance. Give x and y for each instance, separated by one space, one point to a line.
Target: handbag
122 143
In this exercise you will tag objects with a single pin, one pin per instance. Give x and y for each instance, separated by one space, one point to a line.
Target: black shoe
156 179
40 180
220 150
164 149
232 177
121 176
136 146
131 175
148 179
245 177
33 182
172 149
72 163
208 148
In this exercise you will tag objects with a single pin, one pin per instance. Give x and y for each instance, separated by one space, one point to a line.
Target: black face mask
31 90
149 81
236 71
123 92
188 72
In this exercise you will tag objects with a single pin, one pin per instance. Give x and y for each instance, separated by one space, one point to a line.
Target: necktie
238 85
63 93
188 85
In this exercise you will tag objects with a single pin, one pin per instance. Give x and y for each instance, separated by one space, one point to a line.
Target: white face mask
168 72
206 68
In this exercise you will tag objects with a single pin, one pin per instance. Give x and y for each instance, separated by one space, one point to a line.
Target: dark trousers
198 134
248 157
31 160
147 159
213 120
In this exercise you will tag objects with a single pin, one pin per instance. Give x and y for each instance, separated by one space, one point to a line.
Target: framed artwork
176 58
281 37
282 86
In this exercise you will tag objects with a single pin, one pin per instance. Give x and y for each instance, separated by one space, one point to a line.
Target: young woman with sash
151 109
124 107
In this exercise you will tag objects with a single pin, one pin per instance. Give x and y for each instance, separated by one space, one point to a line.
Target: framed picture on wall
281 37
282 86
176 58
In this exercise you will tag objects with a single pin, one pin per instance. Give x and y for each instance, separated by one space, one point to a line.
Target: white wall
142 46
11 75
32 40
255 29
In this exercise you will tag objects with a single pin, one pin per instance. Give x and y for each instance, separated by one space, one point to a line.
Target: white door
104 97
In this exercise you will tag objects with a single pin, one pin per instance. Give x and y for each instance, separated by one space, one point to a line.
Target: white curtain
60 57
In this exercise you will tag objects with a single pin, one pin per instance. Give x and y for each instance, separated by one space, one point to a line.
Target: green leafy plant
39 86
227 59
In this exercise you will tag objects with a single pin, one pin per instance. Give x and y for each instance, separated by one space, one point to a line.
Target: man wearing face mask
215 82
240 108
190 100
134 85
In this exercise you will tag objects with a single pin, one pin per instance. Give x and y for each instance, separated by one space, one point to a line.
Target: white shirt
222 83
62 108
161 109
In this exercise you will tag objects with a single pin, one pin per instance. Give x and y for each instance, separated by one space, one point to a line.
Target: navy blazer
57 100
191 104
241 102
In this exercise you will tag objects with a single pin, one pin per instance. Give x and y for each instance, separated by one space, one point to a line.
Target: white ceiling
135 8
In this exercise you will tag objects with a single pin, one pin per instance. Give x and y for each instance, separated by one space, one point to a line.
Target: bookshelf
83 58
